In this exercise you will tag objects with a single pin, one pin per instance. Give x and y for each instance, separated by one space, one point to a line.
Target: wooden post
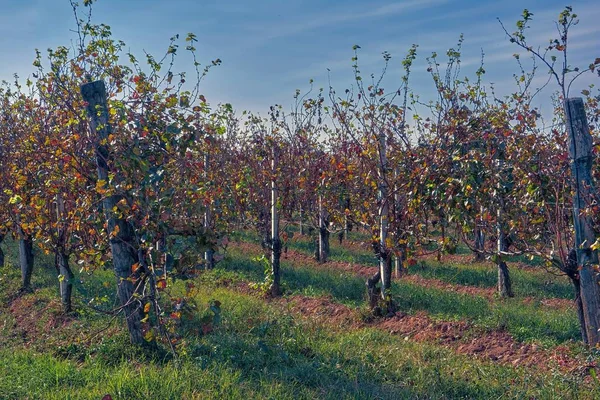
385 265
122 244
323 239
580 150
26 259
504 282
61 262
275 241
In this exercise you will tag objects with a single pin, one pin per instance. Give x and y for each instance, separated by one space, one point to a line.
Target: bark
580 149
504 282
579 303
386 268
209 260
323 238
61 259
398 267
345 231
402 254
385 265
65 280
122 244
374 293
571 270
324 244
442 222
275 288
479 242
26 260
380 301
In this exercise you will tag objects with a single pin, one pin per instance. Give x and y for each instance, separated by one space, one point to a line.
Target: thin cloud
331 18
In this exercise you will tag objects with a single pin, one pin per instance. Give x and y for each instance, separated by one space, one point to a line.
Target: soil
33 318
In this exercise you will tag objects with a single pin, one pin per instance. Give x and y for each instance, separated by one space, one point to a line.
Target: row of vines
110 161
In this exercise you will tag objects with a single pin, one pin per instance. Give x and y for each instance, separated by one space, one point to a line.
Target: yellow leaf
115 231
101 186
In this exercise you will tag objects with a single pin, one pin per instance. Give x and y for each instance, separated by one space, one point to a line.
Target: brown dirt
28 311
324 310
460 336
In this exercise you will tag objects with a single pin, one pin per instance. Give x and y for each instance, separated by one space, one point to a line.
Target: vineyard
362 243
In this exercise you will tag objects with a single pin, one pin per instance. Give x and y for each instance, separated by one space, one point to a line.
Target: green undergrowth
525 321
527 282
262 350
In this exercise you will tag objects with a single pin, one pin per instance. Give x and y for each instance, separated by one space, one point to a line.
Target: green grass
526 322
265 350
261 350
526 283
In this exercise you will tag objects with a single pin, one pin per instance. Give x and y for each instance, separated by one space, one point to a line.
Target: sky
270 48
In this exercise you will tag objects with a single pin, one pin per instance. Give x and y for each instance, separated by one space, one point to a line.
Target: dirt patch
460 336
35 318
324 310
551 303
421 328
497 346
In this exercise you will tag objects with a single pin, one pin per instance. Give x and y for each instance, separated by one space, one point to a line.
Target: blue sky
270 48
